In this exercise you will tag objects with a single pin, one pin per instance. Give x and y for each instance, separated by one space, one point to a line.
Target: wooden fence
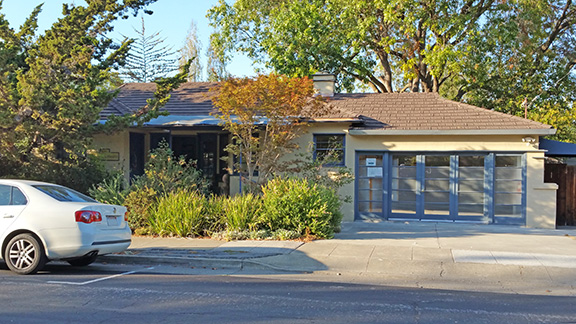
565 176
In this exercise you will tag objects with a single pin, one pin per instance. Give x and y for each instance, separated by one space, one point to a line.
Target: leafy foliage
165 173
386 44
242 211
511 56
112 190
302 206
521 62
180 213
216 68
321 170
191 51
264 116
140 204
53 87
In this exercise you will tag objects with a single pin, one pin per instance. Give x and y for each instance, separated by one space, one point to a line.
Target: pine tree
148 58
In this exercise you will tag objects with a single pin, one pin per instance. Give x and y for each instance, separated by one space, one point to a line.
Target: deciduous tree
191 51
264 115
390 45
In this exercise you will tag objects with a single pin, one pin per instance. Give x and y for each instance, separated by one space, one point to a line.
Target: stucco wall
116 144
541 197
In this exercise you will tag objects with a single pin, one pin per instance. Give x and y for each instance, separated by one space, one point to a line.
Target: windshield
64 194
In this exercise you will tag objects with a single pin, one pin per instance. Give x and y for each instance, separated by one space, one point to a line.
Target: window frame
342 162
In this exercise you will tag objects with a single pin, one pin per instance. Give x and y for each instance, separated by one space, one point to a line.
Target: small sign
106 155
370 161
374 172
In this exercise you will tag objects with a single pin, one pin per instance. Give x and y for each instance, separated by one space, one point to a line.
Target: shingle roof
376 111
191 98
425 111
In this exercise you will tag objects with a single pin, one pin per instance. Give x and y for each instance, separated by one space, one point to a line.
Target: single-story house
415 156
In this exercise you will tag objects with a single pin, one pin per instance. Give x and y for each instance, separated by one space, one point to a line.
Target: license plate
112 220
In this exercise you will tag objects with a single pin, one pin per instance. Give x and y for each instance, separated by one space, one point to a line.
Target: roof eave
384 131
336 120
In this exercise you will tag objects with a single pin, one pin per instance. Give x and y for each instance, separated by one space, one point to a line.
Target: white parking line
97 280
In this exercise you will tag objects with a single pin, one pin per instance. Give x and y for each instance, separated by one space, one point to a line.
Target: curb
233 264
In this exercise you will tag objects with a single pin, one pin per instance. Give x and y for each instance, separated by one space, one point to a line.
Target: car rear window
64 194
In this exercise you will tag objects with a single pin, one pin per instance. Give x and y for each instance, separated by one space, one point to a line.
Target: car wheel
24 254
83 261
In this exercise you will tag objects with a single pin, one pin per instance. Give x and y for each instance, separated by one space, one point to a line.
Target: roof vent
324 83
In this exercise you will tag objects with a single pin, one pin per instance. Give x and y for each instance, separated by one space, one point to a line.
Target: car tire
25 254
83 261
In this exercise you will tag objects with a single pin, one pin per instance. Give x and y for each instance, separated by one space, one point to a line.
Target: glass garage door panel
508 189
436 185
405 185
370 186
471 189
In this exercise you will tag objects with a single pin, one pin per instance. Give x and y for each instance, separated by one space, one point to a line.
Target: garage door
485 188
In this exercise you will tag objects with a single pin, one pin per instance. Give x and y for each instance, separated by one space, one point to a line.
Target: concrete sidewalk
423 254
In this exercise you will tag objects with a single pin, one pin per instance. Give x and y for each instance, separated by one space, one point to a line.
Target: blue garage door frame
476 187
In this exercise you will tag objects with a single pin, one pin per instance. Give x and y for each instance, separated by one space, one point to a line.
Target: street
105 293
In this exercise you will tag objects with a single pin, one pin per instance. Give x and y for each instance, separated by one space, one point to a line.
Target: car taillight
88 216
126 216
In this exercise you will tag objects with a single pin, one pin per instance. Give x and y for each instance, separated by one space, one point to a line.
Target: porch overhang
183 121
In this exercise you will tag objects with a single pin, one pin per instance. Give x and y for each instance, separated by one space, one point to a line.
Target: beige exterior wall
115 150
541 197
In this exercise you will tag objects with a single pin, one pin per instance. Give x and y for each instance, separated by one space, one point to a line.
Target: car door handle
8 216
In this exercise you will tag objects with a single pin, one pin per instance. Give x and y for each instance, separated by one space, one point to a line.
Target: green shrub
165 173
284 235
301 206
215 215
242 211
180 213
281 234
112 190
78 175
140 205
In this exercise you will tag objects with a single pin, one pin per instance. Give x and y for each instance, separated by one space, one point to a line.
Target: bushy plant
242 211
302 206
284 235
112 190
78 175
180 213
165 173
140 204
215 214
323 170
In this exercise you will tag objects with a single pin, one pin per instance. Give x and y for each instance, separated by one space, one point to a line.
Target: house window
330 148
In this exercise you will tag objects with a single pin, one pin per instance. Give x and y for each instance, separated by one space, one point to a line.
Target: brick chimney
324 83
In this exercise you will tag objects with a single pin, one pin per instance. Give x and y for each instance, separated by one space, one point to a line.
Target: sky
172 18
